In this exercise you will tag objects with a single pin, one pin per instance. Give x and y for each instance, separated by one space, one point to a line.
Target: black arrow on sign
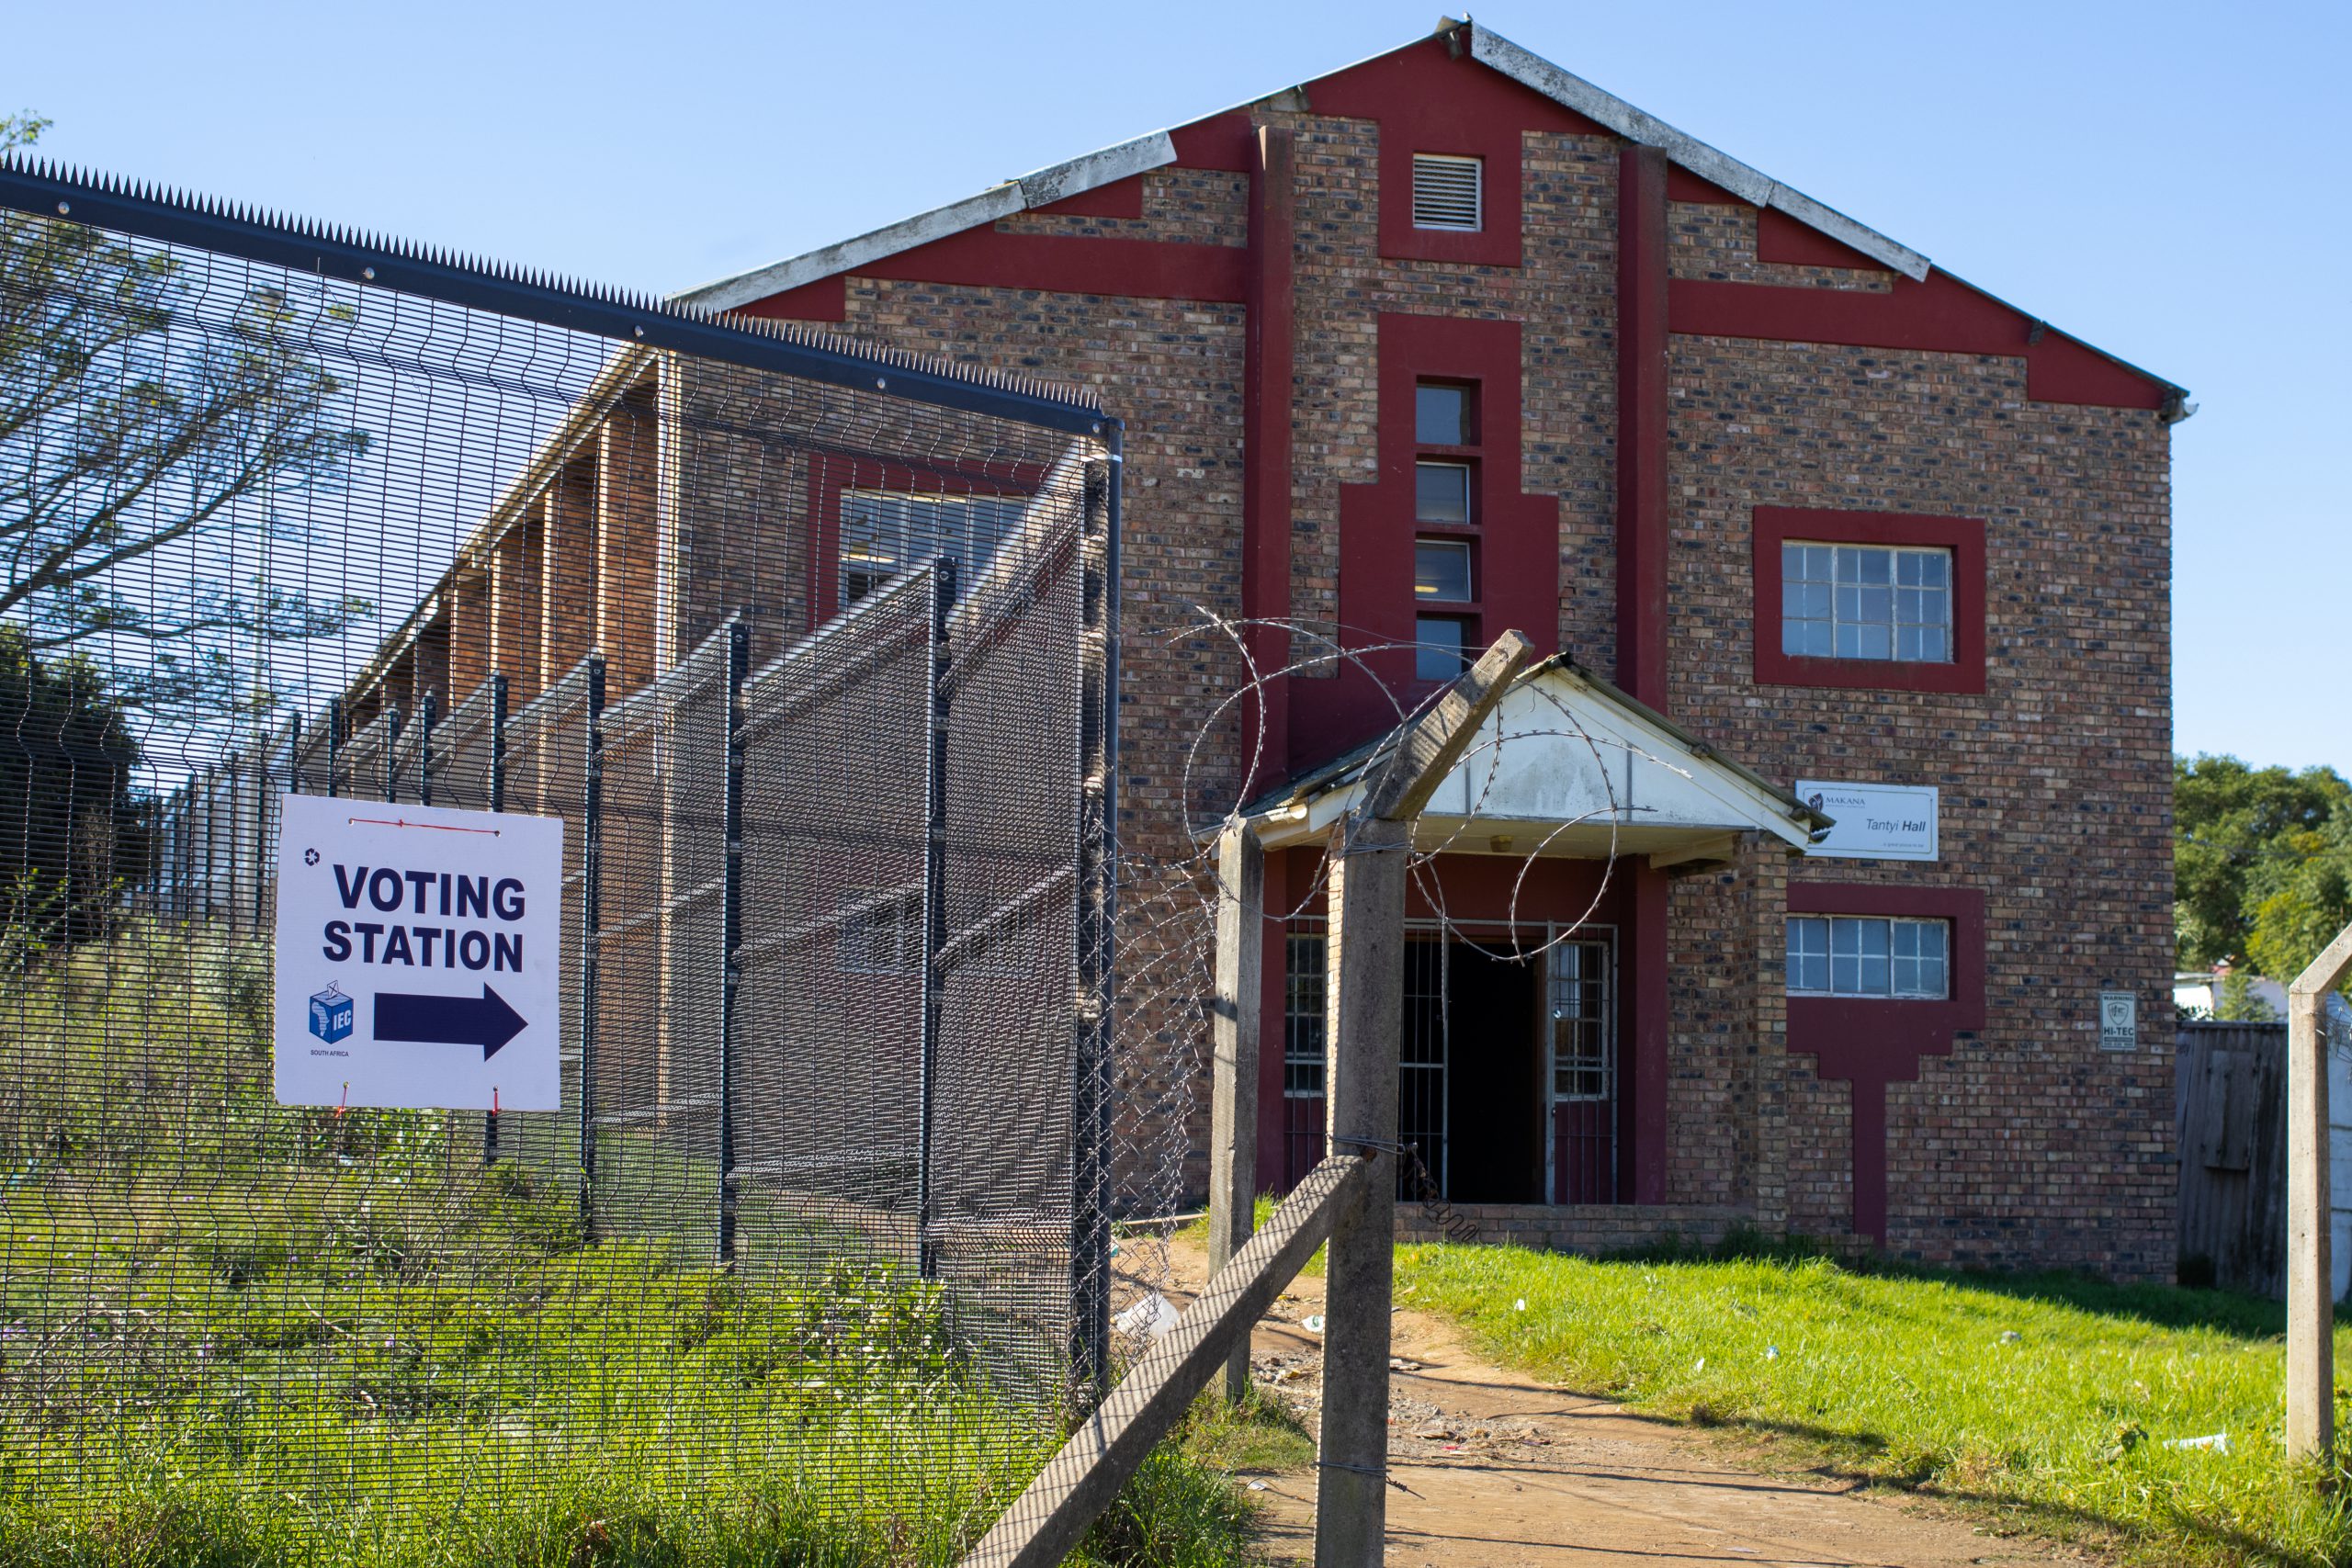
485 1020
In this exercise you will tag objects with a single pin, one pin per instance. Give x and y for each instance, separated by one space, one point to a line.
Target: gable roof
1106 166
1058 182
1568 765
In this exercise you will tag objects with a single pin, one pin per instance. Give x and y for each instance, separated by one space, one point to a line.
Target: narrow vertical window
1438 647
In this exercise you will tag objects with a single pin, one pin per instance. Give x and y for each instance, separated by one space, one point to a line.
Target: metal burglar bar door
1421 1082
814 1251
1580 1021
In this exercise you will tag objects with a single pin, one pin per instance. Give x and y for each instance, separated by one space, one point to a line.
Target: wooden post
2311 1296
1046 1521
1370 852
1367 986
1234 1031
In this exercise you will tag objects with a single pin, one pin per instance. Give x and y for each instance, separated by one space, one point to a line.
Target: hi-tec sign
418 957
1874 821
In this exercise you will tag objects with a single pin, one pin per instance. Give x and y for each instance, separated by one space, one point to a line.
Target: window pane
1438 656
1441 492
884 532
1881 602
1441 569
1441 415
1303 1016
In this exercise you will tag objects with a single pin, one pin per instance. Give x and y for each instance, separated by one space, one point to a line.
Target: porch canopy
1569 767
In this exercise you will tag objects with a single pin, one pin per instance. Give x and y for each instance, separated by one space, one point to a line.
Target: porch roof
1569 767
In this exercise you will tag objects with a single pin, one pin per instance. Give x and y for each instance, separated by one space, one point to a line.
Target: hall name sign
1874 821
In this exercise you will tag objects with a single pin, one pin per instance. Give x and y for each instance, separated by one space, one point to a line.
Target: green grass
1197 1233
1910 1378
233 1334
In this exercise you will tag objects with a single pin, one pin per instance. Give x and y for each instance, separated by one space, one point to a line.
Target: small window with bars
1447 192
1303 1015
1844 955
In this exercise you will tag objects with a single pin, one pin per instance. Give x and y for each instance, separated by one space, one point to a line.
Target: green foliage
2237 1003
70 835
139 422
234 1333
2262 863
2049 1399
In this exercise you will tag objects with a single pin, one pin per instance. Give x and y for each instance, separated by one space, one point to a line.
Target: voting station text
449 895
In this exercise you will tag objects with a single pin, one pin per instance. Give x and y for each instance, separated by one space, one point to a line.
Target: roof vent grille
1446 192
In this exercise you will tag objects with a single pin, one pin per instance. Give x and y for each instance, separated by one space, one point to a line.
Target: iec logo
331 1015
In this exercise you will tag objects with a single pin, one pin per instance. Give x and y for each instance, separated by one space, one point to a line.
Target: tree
70 834
2231 827
2262 863
150 429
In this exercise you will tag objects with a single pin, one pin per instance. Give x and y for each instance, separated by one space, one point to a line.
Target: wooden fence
2229 1099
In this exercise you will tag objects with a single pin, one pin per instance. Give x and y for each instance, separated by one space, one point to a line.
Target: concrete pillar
1367 988
1233 1046
2310 1301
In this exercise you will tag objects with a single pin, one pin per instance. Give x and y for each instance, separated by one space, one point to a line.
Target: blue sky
2156 177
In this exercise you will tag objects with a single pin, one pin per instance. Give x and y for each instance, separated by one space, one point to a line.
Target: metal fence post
592 869
395 720
1096 882
425 754
739 661
497 802
334 747
497 740
934 908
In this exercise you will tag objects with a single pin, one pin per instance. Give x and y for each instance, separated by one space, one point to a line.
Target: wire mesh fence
810 651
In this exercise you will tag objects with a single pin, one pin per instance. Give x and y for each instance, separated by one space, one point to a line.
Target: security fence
811 647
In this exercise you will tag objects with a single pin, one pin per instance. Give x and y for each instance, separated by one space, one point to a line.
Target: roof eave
1057 182
1538 74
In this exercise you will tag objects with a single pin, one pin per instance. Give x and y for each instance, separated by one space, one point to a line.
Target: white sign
419 956
1874 821
2119 1021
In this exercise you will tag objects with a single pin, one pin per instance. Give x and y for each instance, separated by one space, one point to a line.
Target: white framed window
1440 649
885 533
1857 955
1441 571
1448 192
1866 601
1441 492
1442 414
1304 1019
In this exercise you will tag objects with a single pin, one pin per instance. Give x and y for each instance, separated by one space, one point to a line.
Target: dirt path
1498 1470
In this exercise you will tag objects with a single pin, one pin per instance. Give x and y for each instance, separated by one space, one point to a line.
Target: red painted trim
830 473
1871 1042
1641 423
826 299
1059 264
1427 99
1681 185
1963 537
1783 241
1941 315
1645 993
1221 141
1267 451
1516 547
1120 198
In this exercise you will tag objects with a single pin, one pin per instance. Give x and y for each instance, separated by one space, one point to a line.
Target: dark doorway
1496 1100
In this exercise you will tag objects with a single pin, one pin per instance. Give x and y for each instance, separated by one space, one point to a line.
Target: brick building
1450 342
